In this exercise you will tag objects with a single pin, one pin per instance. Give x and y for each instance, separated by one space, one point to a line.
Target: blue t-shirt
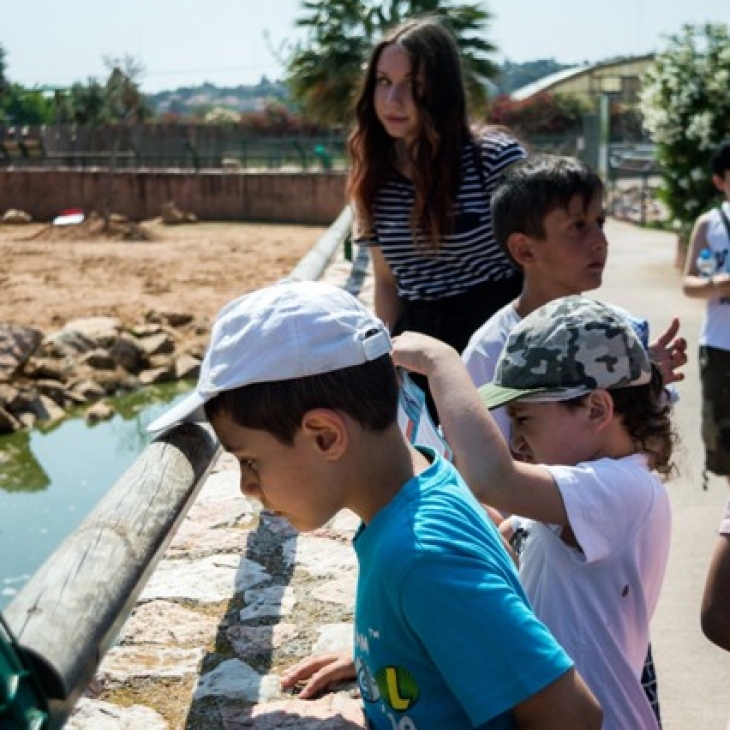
444 635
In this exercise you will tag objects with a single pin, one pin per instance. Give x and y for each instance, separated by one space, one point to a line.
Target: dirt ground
49 276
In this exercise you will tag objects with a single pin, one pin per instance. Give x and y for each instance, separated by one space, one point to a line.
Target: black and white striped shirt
466 257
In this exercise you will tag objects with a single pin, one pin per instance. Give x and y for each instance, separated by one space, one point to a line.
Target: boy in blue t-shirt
299 385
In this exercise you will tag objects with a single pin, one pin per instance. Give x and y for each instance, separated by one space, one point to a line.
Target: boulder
17 345
13 216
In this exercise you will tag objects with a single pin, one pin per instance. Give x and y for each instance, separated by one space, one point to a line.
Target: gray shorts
715 380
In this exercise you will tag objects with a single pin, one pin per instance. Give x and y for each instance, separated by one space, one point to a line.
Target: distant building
620 78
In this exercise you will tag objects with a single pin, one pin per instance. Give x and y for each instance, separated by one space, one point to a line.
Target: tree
125 104
4 83
686 107
323 71
26 106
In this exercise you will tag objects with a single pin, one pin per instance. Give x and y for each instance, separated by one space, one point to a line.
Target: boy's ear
327 432
520 247
600 408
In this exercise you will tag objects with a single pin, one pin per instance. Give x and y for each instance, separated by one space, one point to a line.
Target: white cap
285 331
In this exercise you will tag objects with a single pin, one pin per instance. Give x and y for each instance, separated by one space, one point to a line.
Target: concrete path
239 596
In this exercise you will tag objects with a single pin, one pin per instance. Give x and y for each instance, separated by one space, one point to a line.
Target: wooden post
70 612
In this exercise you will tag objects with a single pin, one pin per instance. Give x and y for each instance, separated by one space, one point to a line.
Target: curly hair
645 413
443 132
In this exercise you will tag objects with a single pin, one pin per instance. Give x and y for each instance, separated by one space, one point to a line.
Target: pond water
51 478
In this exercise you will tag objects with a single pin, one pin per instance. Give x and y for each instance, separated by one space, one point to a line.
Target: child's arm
480 452
716 599
566 704
694 285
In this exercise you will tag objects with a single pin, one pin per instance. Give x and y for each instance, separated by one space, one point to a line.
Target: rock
46 409
98 360
250 642
144 330
98 715
88 390
159 344
128 353
156 375
100 411
234 679
172 215
173 319
186 367
53 389
101 330
268 601
17 345
164 622
14 216
8 423
208 580
335 711
67 343
123 664
8 395
46 368
28 420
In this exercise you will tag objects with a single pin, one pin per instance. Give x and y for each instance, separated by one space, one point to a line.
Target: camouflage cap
565 349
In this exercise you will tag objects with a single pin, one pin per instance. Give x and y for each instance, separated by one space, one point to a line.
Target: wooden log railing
69 613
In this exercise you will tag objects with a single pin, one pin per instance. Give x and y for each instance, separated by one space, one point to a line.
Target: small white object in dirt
69 218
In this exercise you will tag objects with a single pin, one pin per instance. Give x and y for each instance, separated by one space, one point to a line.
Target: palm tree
324 70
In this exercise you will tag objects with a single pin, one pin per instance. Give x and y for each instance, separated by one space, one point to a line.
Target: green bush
685 102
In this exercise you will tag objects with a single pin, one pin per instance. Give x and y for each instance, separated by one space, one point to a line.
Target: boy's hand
420 353
669 353
320 672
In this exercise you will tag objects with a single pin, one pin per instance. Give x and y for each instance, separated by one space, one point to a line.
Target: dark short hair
720 160
367 393
532 188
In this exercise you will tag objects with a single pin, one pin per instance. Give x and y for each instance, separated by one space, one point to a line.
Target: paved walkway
213 630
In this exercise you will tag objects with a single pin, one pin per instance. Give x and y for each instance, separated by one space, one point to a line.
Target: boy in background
591 429
299 385
548 217
712 231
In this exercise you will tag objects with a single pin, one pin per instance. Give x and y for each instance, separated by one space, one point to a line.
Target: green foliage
323 71
543 113
686 107
25 106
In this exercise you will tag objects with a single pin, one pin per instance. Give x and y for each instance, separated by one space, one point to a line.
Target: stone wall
277 197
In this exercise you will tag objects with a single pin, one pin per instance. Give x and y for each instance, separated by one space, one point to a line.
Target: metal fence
168 146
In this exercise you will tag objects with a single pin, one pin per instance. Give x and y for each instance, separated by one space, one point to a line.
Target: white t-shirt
483 351
598 601
716 326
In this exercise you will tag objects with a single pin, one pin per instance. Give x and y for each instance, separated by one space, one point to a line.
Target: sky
232 42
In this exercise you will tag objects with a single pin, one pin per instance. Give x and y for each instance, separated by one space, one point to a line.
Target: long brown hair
443 132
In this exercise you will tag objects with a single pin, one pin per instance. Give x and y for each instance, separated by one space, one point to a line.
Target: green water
50 479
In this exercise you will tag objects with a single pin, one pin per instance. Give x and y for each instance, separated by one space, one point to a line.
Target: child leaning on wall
299 385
